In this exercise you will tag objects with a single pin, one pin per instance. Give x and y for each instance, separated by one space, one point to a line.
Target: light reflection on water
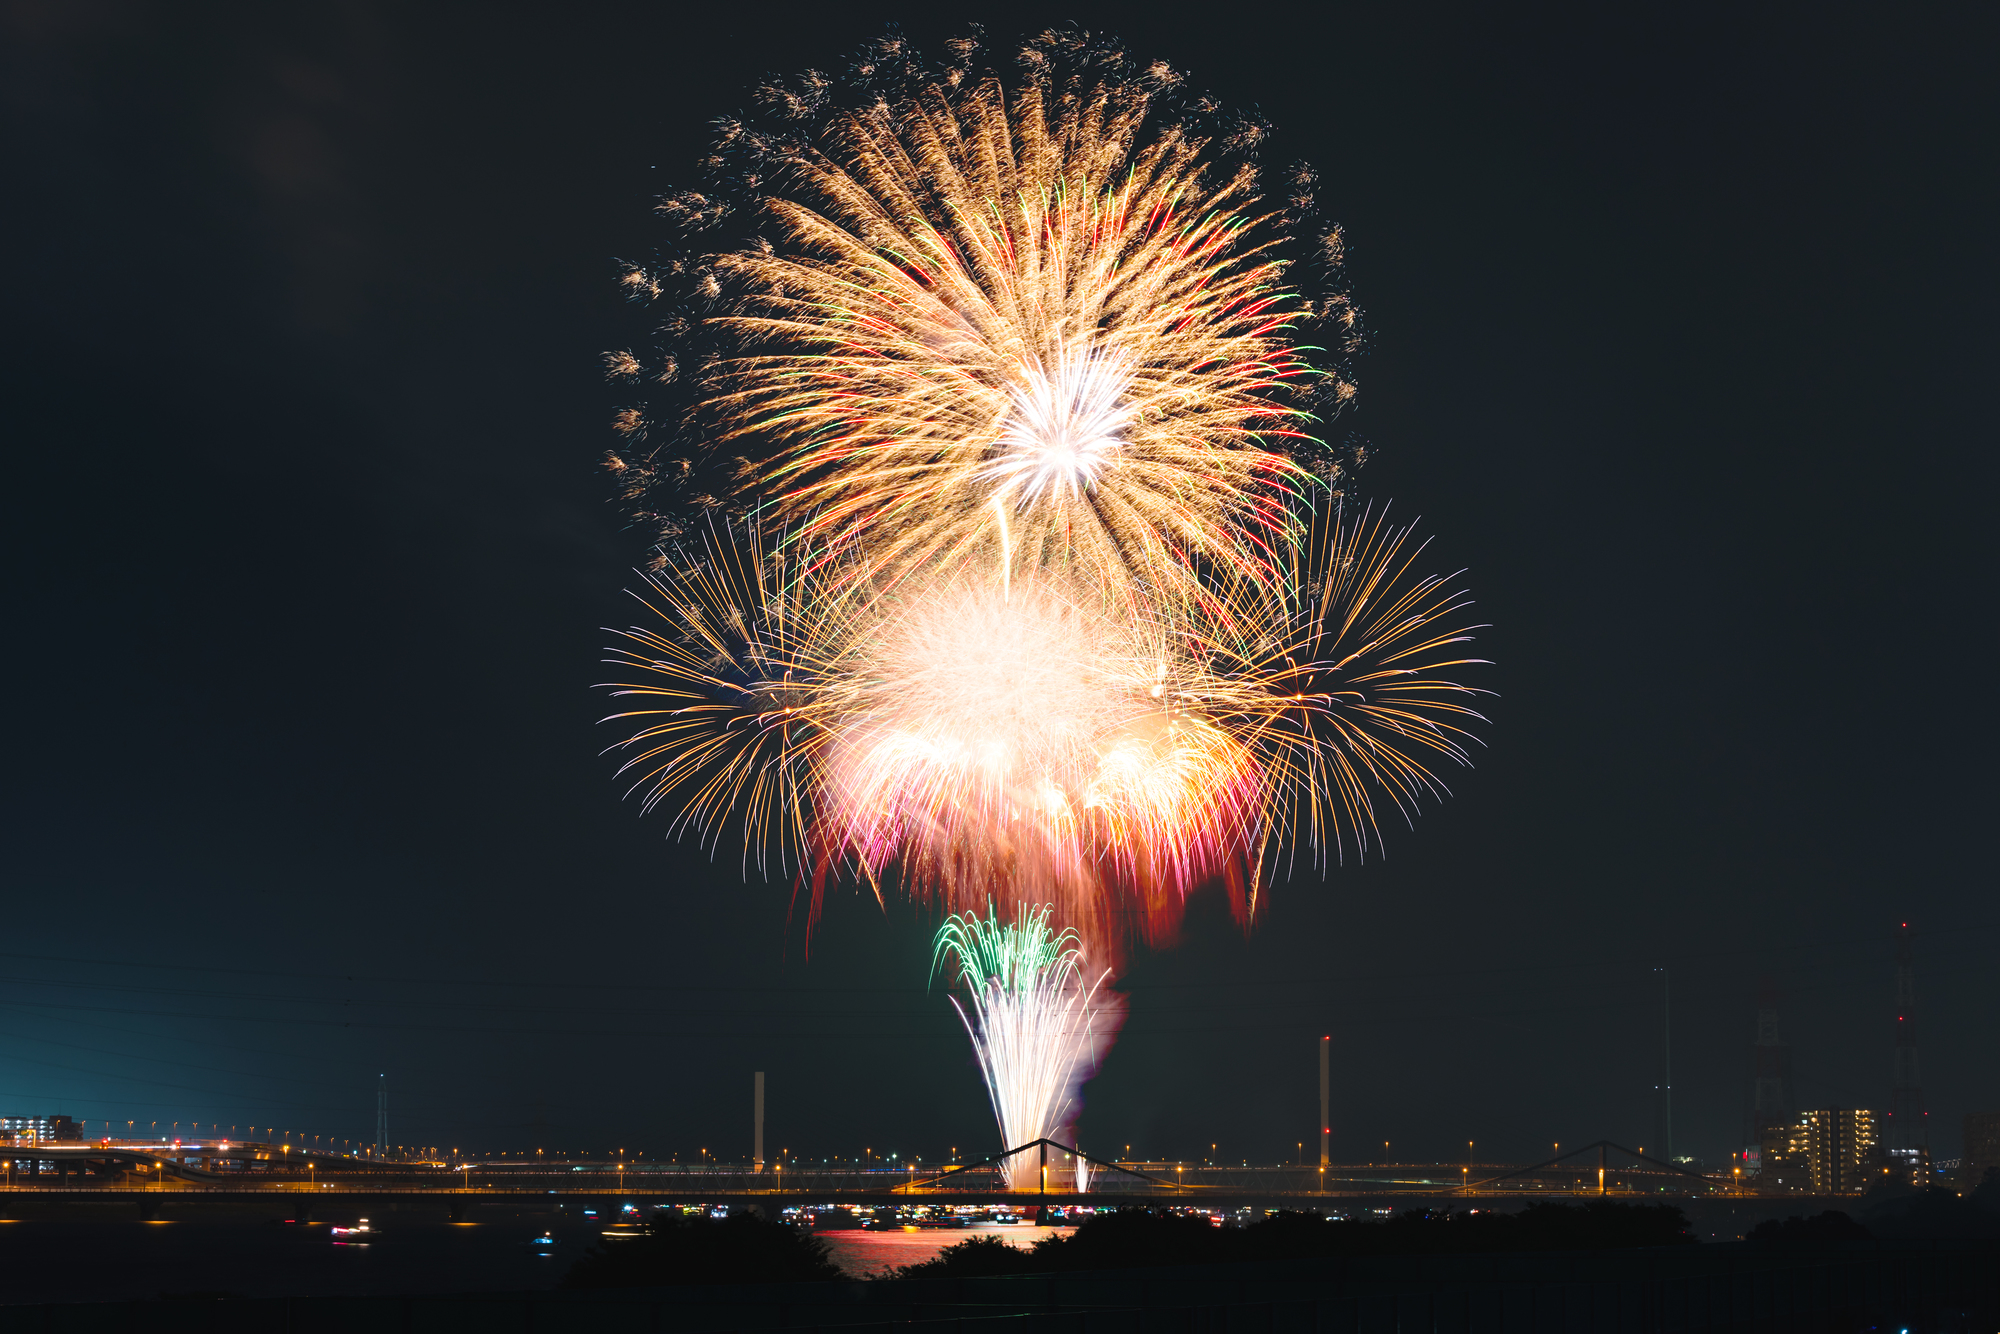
82 1257
862 1253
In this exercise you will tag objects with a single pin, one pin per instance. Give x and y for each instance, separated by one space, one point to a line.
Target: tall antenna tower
757 1121
1771 1085
382 1116
1325 1100
1908 1139
1663 1108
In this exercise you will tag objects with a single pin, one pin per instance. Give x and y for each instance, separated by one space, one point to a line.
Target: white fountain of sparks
1038 1027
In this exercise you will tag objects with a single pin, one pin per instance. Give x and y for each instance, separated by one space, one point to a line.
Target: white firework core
984 708
1062 429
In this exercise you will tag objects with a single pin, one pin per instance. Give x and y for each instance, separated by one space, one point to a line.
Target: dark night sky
1684 348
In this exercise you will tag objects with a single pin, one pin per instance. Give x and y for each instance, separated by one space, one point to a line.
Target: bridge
225 1171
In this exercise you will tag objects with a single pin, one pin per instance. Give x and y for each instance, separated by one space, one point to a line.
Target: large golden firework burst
970 735
994 302
1045 594
1049 315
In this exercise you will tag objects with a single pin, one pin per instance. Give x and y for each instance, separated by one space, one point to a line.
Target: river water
866 1254
65 1258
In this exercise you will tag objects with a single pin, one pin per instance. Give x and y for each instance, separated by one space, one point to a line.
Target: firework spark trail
1344 683
1040 601
991 296
970 735
744 673
978 748
1059 294
1038 1023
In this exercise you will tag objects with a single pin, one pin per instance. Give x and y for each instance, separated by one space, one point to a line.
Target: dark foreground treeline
746 1249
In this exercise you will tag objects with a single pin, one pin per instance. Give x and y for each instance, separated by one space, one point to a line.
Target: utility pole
382 1116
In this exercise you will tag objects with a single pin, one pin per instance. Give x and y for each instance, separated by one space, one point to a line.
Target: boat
936 1220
